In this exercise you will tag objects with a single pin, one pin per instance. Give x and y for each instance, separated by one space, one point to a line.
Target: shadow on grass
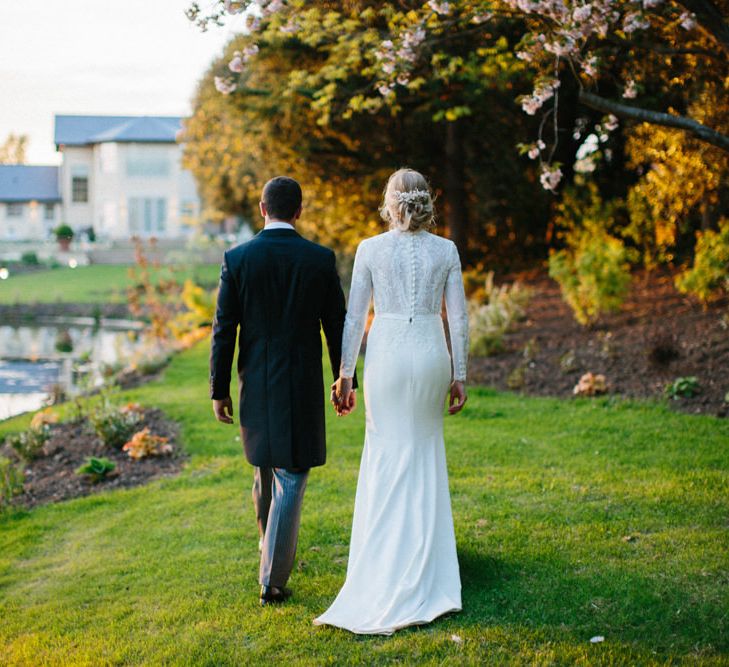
568 601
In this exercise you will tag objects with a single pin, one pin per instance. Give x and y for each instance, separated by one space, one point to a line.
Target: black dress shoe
274 595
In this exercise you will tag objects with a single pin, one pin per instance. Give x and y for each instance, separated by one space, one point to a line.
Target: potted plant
64 235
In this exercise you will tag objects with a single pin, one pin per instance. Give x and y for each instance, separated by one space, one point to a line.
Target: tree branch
710 19
656 118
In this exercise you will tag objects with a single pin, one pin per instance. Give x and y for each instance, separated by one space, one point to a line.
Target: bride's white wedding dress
403 568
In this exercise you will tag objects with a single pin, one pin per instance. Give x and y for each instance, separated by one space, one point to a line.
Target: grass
99 283
573 519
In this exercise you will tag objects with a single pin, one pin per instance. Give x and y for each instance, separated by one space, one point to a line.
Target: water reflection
34 359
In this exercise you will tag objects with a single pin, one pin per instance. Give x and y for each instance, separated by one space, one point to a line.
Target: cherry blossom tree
621 55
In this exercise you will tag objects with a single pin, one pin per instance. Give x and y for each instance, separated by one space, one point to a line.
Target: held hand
343 397
223 410
457 398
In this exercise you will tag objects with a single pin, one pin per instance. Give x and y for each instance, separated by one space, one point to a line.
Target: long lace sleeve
455 299
360 294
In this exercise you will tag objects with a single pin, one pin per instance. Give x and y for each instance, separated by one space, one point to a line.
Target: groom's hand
223 410
343 397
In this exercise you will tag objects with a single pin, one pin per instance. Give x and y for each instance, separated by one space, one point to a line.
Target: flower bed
52 474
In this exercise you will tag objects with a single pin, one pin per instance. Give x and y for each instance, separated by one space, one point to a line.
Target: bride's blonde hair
407 203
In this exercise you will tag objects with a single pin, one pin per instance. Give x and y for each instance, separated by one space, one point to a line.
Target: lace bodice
408 273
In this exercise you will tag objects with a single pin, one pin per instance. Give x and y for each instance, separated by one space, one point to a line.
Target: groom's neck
269 221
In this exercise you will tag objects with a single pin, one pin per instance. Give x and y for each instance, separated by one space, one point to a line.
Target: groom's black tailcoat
278 287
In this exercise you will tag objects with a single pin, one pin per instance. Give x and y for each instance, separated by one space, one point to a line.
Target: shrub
489 321
29 259
96 468
144 443
112 424
685 387
517 378
590 384
593 270
11 481
593 274
64 342
28 445
709 276
47 416
63 231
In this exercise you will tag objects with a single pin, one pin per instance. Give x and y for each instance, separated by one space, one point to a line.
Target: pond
62 355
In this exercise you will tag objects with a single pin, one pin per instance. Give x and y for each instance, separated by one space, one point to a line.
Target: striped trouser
277 497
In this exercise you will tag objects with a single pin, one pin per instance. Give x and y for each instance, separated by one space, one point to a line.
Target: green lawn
99 283
573 519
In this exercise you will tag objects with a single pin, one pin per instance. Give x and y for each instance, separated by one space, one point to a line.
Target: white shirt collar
277 224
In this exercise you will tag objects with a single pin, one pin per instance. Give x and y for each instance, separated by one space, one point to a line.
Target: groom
278 288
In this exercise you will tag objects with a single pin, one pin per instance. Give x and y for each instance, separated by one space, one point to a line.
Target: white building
122 175
30 201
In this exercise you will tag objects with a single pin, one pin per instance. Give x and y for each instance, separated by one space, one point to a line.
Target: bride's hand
457 398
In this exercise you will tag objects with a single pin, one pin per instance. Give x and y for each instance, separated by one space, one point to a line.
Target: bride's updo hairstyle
407 203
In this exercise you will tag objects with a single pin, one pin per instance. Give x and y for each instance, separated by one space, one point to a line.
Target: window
147 161
147 215
14 211
107 158
80 189
49 212
187 210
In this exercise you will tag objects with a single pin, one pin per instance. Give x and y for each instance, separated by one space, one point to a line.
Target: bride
403 568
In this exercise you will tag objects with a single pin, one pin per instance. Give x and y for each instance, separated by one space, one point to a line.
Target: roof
20 182
86 130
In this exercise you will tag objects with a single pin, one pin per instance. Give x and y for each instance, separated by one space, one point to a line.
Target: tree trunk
456 204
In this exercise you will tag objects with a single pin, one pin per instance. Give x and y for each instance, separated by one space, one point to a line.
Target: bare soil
52 476
659 335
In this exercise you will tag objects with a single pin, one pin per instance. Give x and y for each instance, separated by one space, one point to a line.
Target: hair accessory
410 196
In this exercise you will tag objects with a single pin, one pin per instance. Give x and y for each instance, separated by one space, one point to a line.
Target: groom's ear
297 215
262 208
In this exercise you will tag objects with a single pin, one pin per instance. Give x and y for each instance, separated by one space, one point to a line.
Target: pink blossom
249 52
233 7
611 123
582 13
236 65
531 104
635 21
630 91
388 67
443 8
385 89
533 153
224 85
403 79
649 4
253 23
589 66
413 38
688 20
481 18
272 7
290 28
550 178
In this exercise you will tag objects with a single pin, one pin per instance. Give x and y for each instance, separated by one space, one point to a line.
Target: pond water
61 355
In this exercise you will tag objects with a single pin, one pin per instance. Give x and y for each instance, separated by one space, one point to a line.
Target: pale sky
97 57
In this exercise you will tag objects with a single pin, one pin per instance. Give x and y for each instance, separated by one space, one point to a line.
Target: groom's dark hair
282 197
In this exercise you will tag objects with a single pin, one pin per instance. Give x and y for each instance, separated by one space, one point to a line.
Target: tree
608 47
12 150
453 116
343 147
